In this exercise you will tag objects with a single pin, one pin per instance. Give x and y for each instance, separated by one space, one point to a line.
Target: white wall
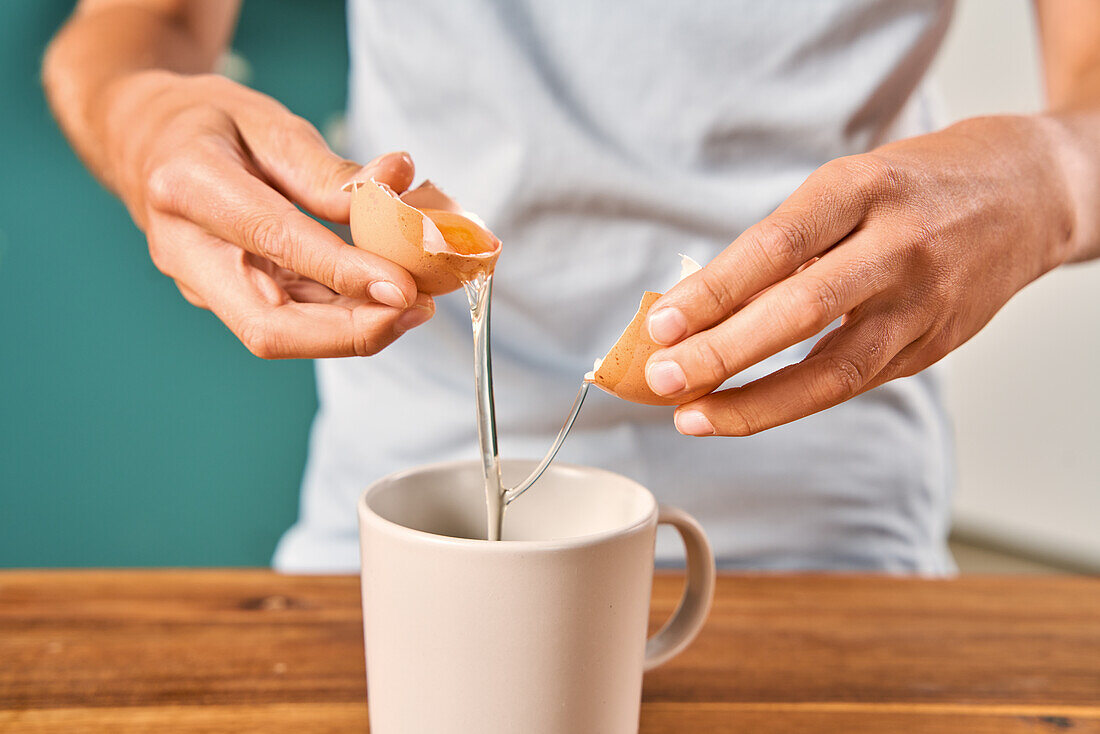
1025 392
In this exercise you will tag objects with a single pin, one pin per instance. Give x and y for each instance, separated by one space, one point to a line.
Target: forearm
1077 142
105 42
1069 32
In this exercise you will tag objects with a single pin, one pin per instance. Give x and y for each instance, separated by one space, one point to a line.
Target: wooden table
251 651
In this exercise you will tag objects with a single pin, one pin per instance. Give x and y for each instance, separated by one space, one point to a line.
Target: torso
598 140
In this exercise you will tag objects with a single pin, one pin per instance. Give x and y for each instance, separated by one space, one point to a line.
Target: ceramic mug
542 632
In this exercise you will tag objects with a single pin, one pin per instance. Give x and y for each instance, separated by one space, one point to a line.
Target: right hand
211 171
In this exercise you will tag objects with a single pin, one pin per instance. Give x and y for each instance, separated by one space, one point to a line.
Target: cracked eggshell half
622 370
424 231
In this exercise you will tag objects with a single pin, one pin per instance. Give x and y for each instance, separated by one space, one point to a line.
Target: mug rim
368 515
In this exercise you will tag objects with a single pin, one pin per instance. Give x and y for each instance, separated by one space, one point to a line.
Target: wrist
1075 145
1017 163
131 107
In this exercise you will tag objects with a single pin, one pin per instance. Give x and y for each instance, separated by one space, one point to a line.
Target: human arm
916 245
214 173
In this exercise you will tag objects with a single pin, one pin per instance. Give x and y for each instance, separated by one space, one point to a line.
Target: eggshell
622 371
429 196
423 231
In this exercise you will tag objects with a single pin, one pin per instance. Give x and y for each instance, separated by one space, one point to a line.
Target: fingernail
371 168
388 294
665 378
667 326
393 169
693 423
403 155
411 319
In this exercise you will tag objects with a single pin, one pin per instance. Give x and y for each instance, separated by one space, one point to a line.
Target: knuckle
931 290
295 126
268 233
815 303
912 359
875 174
290 130
299 127
190 296
364 343
785 240
737 422
208 81
927 232
944 336
844 377
913 251
709 359
365 348
170 179
336 272
943 290
716 290
260 340
158 255
920 246
894 369
165 183
203 119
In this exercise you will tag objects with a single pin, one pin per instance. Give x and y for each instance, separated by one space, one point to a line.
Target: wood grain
253 651
657 718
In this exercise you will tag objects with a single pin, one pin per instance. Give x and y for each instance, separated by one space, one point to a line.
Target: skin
213 173
914 246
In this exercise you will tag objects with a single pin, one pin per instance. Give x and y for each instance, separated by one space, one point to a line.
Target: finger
916 357
853 356
293 155
284 329
827 207
312 331
273 326
317 183
782 316
218 194
162 255
304 290
190 296
396 170
802 267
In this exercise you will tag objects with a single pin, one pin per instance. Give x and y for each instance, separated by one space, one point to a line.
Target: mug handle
685 623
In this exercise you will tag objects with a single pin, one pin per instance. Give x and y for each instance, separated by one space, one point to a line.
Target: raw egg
622 370
424 231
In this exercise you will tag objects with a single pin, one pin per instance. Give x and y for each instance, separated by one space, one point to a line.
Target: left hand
917 244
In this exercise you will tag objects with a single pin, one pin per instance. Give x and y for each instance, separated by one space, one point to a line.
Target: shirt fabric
598 140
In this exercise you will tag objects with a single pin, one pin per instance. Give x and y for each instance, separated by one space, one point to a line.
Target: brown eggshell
429 196
622 371
439 247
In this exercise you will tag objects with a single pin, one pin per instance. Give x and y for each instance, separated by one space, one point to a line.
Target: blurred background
135 431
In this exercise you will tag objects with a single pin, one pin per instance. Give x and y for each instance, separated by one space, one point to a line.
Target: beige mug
543 632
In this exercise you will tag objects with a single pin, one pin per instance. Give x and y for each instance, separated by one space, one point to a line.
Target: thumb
396 170
322 192
299 163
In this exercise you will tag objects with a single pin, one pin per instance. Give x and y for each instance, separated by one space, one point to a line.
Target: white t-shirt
598 140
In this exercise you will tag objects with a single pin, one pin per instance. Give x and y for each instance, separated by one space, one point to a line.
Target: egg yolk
462 235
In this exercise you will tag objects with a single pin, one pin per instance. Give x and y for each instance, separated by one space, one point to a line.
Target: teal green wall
134 429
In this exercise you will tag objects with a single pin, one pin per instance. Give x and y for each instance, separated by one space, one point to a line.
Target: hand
915 245
212 171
